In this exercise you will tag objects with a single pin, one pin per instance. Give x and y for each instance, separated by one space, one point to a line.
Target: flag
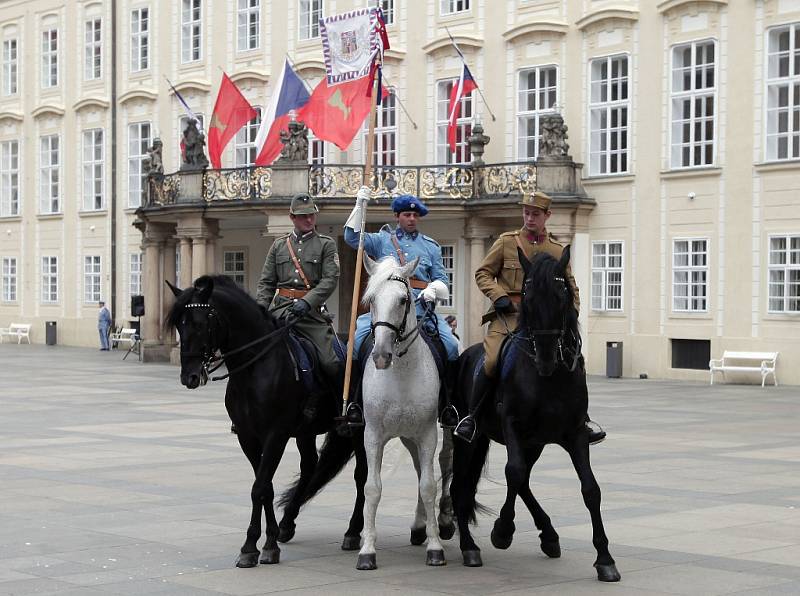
289 94
465 85
350 42
231 112
335 113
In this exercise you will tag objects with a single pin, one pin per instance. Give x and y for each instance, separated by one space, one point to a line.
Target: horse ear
369 264
204 285
526 264
565 256
175 289
408 269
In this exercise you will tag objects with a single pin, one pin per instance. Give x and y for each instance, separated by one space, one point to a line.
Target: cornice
90 102
668 5
192 85
443 41
606 14
255 75
537 26
146 94
10 115
309 64
47 109
394 55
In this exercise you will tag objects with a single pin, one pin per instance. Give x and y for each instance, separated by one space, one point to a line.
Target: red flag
461 88
231 112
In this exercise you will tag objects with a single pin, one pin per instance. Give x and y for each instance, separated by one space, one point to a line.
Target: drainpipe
114 159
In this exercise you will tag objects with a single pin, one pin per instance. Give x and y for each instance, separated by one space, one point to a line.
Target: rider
429 281
500 278
300 273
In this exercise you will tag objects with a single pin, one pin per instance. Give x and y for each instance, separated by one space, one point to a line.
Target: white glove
363 196
428 294
436 290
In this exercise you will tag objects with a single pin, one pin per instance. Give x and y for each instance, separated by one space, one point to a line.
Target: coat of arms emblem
349 44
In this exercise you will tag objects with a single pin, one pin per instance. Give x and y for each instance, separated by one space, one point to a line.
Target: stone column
475 236
152 271
198 264
186 262
169 274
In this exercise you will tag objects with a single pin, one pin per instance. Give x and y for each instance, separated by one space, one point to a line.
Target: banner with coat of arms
350 42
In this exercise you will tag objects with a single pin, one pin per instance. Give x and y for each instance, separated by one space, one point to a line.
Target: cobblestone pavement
114 479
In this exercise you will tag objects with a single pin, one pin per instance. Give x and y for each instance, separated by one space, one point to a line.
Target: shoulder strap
297 263
519 243
397 248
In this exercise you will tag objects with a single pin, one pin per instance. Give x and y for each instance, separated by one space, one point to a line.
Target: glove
428 294
362 198
503 305
299 309
436 289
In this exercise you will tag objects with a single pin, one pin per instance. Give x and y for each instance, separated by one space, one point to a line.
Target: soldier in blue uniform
429 282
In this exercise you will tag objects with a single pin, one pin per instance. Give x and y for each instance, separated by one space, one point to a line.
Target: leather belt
418 284
291 293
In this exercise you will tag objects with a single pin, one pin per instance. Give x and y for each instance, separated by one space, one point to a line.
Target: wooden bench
127 336
18 330
760 362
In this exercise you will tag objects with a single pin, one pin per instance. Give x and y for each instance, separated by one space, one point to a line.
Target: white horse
401 396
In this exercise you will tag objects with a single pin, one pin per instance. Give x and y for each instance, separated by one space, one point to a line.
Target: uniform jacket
318 259
501 274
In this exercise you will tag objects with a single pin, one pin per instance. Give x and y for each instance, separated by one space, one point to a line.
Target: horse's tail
333 457
469 462
479 462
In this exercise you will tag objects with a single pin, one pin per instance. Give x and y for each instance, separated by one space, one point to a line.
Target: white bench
760 362
127 336
18 330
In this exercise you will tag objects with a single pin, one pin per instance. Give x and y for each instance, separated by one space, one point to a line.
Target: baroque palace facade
680 195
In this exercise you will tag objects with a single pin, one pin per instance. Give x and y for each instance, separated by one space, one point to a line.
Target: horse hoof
500 539
271 556
472 558
447 531
552 549
436 558
607 573
366 562
286 533
418 536
247 560
351 543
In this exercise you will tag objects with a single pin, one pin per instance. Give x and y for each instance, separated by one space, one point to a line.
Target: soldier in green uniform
300 273
500 278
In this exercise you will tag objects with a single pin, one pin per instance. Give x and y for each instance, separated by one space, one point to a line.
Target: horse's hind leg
548 536
427 490
374 447
605 564
352 537
446 526
307 446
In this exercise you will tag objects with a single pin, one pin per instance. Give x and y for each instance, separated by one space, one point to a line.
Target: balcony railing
444 182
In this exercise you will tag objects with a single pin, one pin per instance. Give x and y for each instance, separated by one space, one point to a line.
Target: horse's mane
545 268
225 290
384 269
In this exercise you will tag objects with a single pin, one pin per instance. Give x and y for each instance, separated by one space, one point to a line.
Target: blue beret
409 203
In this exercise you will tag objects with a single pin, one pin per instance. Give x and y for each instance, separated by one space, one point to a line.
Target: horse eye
403 300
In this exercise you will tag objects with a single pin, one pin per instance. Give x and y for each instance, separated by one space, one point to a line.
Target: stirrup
448 419
596 432
354 415
463 436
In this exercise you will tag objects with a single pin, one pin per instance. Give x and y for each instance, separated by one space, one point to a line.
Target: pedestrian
103 326
453 322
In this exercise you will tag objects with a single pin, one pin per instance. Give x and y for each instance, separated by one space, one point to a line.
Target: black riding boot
467 426
596 432
354 414
448 415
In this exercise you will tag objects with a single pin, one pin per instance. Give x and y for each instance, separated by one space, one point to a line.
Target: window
783 93
49 175
93 50
784 274
538 94
310 14
135 271
691 353
9 279
452 6
245 151
385 147
49 58
138 142
140 39
91 279
249 25
191 30
690 275
49 280
607 276
463 126
10 67
316 150
608 115
387 7
9 178
93 169
234 266
449 261
694 96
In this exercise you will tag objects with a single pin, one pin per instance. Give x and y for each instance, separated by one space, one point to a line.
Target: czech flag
465 85
290 94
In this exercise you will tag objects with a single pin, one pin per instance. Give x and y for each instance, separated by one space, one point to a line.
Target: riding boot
448 415
467 426
596 432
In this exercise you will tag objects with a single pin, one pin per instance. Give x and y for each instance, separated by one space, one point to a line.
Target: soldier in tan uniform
500 278
300 273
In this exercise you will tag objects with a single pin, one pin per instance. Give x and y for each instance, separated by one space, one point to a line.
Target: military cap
537 199
302 204
409 203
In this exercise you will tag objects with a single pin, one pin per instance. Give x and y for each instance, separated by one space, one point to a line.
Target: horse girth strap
297 263
415 282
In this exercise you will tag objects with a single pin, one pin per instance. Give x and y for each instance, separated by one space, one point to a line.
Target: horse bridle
399 332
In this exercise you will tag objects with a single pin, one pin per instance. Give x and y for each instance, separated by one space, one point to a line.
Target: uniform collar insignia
401 234
530 237
305 236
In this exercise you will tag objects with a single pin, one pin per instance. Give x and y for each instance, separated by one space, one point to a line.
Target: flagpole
464 62
360 254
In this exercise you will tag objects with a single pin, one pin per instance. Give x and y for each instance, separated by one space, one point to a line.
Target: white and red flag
350 42
461 88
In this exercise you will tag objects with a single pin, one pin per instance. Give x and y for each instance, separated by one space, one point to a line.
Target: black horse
265 398
540 399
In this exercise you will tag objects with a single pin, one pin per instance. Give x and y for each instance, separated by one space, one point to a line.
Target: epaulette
324 236
552 239
509 234
429 239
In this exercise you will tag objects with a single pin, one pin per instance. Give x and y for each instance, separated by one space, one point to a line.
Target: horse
264 397
541 398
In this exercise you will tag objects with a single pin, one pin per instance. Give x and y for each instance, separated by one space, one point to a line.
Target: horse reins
400 332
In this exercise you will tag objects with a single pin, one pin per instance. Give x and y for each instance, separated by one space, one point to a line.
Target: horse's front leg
517 474
352 537
427 490
579 454
446 526
548 537
418 532
374 447
307 446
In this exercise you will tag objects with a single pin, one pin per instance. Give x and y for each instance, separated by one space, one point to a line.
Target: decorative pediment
394 55
309 68
668 5
538 26
47 110
9 115
249 75
91 102
462 39
142 94
608 14
192 85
